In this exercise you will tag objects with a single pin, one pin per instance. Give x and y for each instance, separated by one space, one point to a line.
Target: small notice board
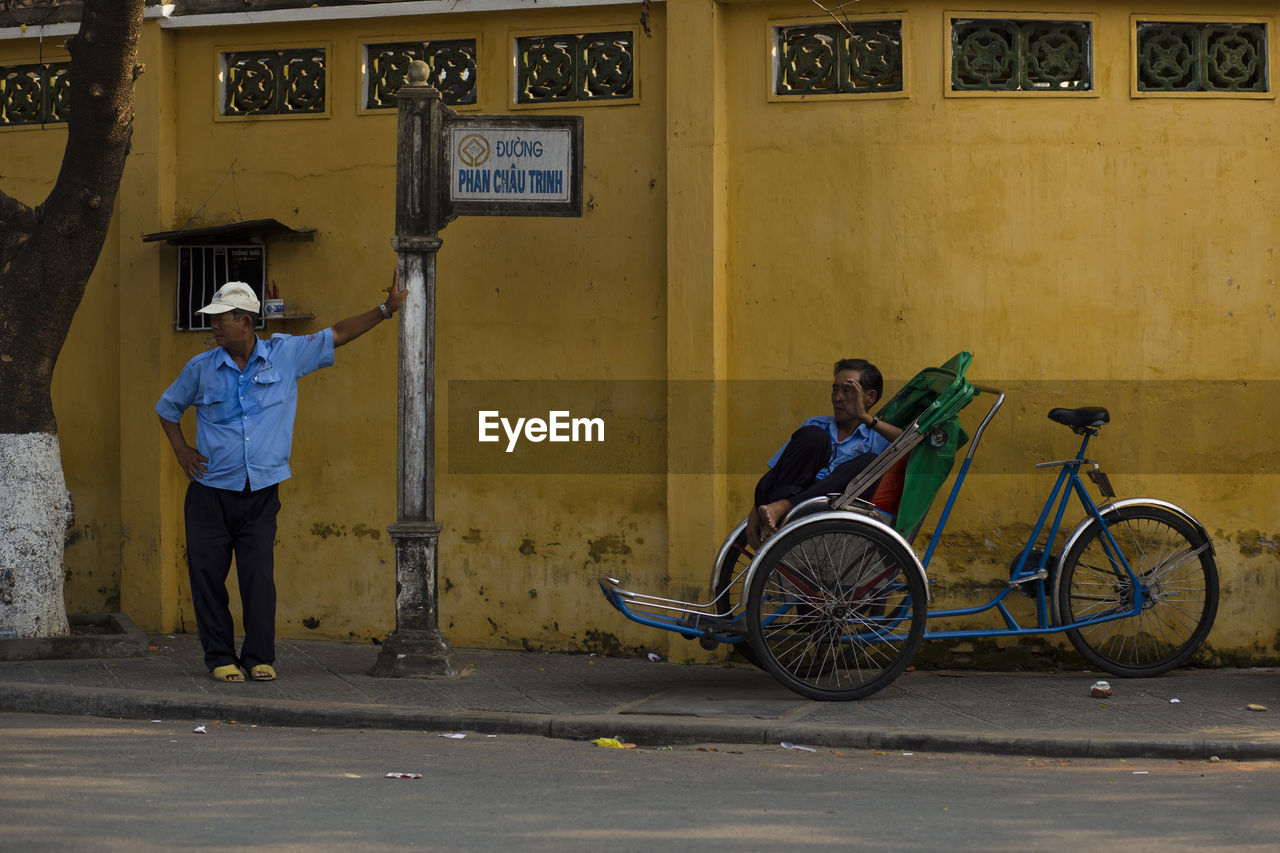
514 165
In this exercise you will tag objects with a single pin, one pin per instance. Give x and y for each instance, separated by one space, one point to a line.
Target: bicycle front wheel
727 585
837 609
1178 578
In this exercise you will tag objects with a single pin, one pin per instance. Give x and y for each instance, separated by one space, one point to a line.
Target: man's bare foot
753 530
771 515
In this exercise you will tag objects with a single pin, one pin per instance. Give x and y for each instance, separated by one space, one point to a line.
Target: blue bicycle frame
1068 483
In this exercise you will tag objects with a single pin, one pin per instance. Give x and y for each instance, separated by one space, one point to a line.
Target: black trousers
794 476
221 523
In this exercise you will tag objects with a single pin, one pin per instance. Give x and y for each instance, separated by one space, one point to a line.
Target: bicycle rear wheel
1174 565
837 610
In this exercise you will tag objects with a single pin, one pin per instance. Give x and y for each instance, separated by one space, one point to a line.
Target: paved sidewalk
579 696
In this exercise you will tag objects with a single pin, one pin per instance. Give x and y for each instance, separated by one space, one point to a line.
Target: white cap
233 294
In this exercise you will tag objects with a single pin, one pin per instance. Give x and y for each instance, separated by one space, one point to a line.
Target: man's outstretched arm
345 331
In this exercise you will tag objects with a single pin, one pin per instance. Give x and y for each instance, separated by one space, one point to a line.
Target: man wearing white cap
246 394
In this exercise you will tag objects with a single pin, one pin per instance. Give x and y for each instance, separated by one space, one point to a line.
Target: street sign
514 165
492 166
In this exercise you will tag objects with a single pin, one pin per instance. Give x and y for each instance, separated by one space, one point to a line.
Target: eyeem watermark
560 426
663 427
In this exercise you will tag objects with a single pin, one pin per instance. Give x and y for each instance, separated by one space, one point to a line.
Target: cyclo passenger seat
1087 419
906 490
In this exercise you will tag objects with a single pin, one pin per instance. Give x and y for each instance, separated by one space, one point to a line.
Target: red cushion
889 491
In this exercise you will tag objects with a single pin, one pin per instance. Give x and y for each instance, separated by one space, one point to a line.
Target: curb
645 729
118 637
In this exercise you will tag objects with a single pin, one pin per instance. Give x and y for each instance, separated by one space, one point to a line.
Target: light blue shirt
861 440
244 419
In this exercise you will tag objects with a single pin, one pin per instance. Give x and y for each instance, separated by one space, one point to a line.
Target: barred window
204 269
1198 57
274 82
590 67
997 55
452 64
828 59
39 93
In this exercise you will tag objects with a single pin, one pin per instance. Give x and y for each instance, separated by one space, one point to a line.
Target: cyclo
835 605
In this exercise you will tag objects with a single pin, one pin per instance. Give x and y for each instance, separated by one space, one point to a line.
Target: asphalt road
69 783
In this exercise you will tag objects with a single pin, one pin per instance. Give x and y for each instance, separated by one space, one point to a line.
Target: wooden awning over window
252 231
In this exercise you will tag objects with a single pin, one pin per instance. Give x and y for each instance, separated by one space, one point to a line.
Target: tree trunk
47 254
33 525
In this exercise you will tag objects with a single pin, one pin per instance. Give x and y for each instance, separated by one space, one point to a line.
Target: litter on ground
612 743
786 744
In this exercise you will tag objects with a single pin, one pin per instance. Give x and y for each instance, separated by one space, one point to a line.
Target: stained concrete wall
1105 248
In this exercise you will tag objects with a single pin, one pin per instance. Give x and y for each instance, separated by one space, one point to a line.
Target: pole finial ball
418 73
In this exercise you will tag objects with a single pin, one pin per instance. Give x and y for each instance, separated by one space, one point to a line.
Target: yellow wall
1104 249
519 300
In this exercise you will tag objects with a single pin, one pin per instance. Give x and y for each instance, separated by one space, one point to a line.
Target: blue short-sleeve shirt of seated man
861 440
244 419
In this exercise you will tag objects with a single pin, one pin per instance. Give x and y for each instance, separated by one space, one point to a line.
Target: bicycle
836 604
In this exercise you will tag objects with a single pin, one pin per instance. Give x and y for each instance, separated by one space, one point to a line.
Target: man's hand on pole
396 294
345 331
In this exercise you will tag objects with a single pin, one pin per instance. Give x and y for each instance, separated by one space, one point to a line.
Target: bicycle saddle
1086 417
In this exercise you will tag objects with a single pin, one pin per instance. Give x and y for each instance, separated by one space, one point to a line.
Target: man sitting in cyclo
826 452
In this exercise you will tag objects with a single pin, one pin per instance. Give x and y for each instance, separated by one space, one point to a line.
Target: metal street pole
416 648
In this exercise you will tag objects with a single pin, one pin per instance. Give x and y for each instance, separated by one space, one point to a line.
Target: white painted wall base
34 511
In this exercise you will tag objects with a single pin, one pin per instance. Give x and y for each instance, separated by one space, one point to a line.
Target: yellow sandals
230 672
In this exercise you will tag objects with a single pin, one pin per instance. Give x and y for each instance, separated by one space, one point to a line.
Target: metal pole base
416 648
413 654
